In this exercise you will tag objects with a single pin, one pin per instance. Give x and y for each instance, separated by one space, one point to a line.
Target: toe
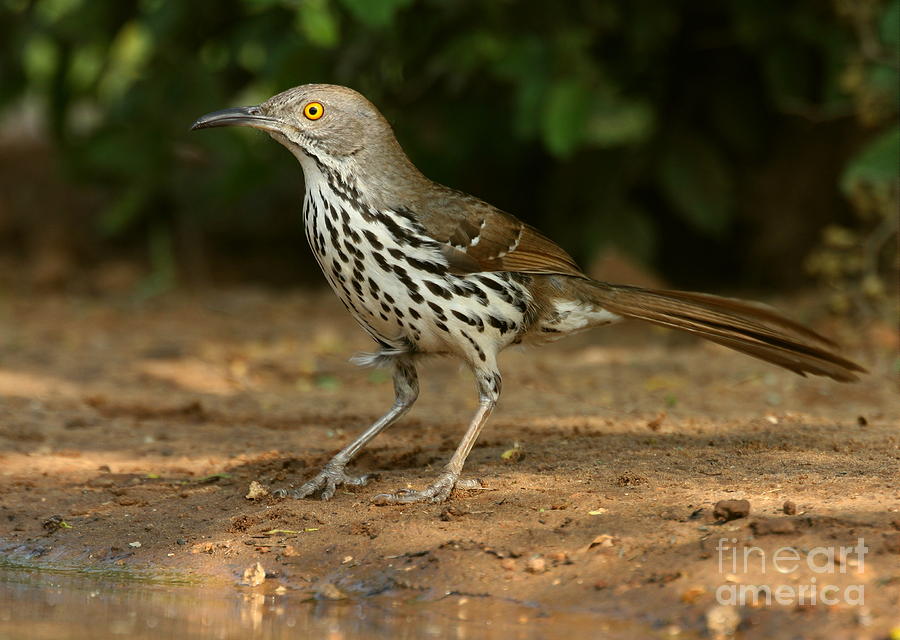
439 493
360 481
384 499
328 486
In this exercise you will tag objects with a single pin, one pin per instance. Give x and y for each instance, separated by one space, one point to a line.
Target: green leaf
328 383
890 25
40 58
318 23
375 13
884 80
129 52
876 163
697 181
565 115
618 121
124 210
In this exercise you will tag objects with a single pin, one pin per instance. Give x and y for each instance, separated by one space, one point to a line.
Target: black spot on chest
438 290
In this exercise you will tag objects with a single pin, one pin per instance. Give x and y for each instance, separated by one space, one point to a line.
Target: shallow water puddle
55 602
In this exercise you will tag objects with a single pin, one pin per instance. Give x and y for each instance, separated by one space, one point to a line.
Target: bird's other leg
488 383
406 390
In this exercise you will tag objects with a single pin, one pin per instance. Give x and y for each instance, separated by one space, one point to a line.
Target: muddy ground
130 433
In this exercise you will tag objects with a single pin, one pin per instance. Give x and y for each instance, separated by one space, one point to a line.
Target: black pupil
313 111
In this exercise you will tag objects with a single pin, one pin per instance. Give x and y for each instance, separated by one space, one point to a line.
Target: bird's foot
438 491
326 483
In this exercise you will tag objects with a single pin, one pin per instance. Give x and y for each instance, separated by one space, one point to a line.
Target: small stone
508 564
256 491
329 591
599 585
778 526
181 541
254 575
731 509
536 565
603 540
673 630
692 594
789 508
135 544
722 621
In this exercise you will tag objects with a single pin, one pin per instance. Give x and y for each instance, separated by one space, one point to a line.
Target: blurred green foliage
605 122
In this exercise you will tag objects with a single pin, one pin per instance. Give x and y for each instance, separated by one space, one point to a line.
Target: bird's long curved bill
236 116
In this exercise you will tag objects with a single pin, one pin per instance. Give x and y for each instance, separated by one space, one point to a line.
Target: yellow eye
313 110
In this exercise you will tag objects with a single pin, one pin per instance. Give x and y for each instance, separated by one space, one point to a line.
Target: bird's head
327 122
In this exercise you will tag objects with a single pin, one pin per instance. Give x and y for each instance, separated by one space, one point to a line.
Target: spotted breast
395 280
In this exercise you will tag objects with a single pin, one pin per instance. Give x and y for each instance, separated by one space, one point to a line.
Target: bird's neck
381 178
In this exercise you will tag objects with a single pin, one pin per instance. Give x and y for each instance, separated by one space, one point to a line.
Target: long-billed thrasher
426 269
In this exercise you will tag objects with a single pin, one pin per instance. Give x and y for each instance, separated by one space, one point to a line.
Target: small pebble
778 526
603 540
254 575
692 594
329 591
731 509
536 565
256 491
135 544
789 508
722 621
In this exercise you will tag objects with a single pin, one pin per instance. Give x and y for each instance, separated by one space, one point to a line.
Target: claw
439 491
326 482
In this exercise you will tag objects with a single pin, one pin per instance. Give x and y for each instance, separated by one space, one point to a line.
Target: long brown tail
744 326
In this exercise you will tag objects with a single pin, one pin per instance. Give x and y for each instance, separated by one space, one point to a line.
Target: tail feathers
750 328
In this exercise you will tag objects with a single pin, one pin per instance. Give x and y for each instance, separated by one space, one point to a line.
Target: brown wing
479 237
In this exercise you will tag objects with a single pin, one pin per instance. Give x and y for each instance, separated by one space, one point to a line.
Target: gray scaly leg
488 383
406 390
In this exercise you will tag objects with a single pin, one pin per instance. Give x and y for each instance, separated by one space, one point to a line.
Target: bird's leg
488 391
406 390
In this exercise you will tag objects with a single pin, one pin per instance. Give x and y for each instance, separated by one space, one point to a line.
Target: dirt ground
130 433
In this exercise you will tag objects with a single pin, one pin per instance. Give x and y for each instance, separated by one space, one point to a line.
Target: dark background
743 144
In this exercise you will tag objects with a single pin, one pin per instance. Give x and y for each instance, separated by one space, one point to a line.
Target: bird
429 270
